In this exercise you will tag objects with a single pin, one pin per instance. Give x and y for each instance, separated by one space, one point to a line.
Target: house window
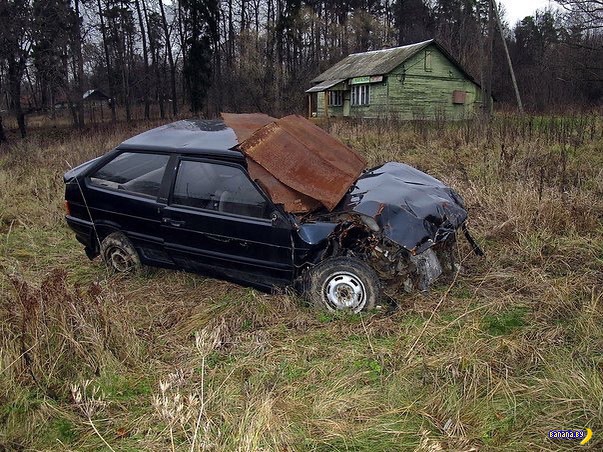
459 97
361 95
428 60
335 98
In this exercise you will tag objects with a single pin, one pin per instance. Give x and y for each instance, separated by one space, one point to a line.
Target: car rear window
217 187
133 172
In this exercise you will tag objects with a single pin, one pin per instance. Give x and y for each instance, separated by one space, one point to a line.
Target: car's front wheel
119 254
343 283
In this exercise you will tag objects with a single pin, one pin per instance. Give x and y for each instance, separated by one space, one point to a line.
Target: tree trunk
124 55
154 62
490 49
183 44
168 48
145 56
107 62
231 39
79 73
15 73
2 135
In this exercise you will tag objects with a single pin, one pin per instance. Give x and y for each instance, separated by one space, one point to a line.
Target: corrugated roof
377 62
292 200
245 124
304 158
325 85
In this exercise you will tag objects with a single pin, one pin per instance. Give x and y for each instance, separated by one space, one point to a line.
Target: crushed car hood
410 207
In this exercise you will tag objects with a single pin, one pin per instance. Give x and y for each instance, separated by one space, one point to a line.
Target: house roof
95 94
378 62
325 85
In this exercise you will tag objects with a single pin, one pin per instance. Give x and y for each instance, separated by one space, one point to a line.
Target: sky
518 9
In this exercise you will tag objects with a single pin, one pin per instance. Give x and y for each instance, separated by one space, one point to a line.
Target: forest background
162 58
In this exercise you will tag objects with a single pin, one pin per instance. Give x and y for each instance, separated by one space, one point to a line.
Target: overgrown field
169 360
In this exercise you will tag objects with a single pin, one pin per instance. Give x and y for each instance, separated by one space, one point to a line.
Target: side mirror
278 220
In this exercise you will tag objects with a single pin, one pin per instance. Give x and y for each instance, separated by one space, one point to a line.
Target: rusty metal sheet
305 158
293 201
245 124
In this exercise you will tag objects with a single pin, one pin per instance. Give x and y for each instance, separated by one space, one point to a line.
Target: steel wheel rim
344 290
120 259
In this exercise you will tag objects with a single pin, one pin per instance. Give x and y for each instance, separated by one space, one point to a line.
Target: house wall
378 106
417 93
333 111
412 92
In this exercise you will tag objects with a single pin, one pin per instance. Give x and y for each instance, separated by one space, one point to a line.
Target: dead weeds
169 360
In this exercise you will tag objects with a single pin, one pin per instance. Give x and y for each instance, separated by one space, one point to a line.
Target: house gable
433 62
430 85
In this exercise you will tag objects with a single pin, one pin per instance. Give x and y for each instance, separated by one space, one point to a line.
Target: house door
346 103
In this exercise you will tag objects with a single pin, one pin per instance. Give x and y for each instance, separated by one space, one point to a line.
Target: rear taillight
67 208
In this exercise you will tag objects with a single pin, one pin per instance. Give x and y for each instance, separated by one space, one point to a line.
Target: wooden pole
488 90
309 97
513 79
482 69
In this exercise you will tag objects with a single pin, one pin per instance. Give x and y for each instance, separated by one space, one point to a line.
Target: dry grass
170 360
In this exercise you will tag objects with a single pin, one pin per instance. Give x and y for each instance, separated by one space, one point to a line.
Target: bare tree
587 13
15 48
145 56
153 30
79 65
170 56
107 60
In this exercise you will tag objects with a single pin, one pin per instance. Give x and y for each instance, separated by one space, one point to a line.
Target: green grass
512 351
505 322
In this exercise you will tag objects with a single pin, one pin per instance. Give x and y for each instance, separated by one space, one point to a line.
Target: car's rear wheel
119 254
343 284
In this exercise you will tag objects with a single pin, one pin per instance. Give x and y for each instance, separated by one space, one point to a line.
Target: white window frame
335 98
361 94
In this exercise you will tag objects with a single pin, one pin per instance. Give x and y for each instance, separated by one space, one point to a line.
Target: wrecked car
266 202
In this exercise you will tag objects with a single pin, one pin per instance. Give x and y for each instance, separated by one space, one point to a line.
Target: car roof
189 136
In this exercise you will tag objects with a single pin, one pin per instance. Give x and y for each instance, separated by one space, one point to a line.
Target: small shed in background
94 100
417 81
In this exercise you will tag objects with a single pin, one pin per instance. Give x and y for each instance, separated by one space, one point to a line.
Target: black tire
343 283
119 254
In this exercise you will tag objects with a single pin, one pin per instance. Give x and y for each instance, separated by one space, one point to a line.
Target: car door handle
171 222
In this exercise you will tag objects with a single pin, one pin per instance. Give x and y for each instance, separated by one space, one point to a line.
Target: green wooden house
417 81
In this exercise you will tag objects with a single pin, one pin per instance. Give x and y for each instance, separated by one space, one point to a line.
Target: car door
122 195
218 220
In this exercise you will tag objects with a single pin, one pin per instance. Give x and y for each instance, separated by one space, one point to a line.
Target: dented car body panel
188 195
410 207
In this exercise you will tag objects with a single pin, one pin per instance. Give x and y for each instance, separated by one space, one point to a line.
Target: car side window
133 172
222 188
